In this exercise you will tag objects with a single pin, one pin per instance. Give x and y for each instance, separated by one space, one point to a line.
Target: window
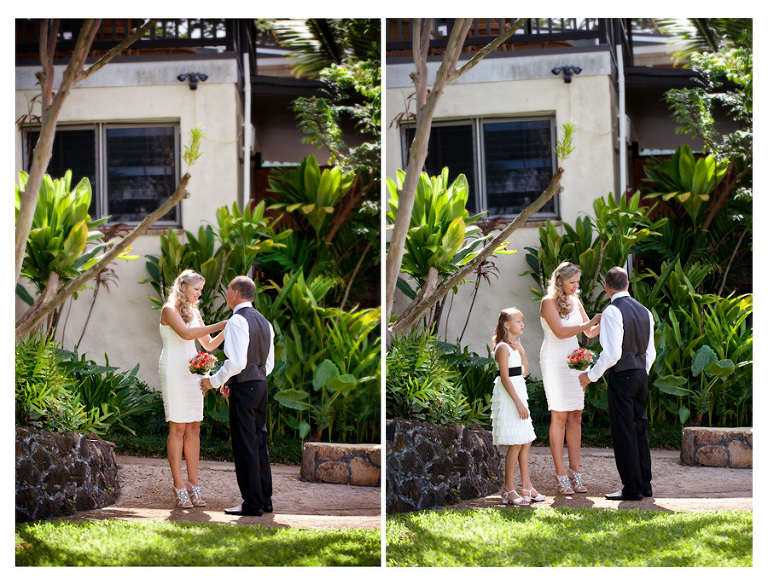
508 163
133 169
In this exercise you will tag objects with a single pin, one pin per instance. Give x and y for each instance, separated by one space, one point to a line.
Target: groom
249 346
626 335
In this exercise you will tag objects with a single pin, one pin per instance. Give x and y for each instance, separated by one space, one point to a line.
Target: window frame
478 147
100 198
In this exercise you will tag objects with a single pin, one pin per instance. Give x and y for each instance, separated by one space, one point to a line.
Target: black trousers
247 421
627 397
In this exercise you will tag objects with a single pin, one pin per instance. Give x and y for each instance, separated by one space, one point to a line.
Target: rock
434 465
58 474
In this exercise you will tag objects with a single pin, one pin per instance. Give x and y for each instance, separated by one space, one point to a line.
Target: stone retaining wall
717 447
343 463
432 465
59 474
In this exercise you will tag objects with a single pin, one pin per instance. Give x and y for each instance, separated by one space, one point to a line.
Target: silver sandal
195 496
578 484
182 497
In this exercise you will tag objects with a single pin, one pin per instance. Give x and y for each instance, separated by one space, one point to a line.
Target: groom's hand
584 380
205 385
225 391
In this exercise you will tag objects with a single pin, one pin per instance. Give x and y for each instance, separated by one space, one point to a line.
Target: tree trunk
426 103
51 109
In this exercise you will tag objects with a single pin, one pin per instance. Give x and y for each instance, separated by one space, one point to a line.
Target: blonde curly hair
565 271
177 297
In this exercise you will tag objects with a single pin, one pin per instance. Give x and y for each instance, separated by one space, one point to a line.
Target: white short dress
561 383
182 395
508 427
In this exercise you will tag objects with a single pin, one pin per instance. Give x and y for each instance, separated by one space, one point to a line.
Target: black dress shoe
620 495
647 493
238 511
268 509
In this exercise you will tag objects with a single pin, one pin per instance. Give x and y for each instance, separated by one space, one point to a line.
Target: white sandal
527 494
518 501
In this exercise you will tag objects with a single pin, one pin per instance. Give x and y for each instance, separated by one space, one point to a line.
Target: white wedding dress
182 396
561 383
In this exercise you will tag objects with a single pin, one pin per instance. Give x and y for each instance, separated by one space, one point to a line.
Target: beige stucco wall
521 87
123 323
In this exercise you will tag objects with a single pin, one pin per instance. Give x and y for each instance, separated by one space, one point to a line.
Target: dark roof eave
660 77
289 86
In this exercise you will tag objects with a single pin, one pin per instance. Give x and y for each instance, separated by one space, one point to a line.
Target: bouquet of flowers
581 359
202 363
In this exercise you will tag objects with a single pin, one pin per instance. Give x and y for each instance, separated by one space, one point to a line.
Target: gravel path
676 487
146 494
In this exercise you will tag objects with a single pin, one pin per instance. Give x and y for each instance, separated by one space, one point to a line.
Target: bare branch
113 52
32 319
513 28
418 307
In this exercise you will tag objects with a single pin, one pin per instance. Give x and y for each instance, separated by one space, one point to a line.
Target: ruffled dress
508 427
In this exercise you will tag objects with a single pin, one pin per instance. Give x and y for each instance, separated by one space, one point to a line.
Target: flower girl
512 424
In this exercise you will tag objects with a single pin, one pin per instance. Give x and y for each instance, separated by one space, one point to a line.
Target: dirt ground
676 487
147 494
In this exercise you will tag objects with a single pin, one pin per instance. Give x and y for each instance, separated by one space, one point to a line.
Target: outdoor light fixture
567 71
193 78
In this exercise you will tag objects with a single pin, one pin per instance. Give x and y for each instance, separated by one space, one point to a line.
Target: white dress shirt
236 339
612 339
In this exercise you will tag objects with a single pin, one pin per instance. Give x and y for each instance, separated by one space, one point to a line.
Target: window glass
73 150
134 176
140 172
518 165
508 163
451 146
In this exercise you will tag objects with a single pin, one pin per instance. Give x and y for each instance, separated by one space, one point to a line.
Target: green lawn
122 543
563 537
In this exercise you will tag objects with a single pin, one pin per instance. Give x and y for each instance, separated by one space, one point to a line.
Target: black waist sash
517 371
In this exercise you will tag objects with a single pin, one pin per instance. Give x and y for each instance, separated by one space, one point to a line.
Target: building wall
123 324
509 87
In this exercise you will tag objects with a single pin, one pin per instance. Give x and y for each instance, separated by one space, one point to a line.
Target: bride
180 325
562 318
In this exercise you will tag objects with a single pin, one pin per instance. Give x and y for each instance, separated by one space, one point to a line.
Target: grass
495 537
121 543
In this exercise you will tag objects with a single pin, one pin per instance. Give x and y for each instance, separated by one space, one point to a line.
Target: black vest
258 347
637 329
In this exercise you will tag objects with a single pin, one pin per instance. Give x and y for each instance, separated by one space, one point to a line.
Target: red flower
202 363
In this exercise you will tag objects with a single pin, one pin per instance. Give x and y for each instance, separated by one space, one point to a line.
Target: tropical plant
330 371
685 180
61 231
321 42
46 392
422 384
117 396
218 255
313 193
595 244
440 225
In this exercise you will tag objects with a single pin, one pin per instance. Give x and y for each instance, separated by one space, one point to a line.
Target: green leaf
326 371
